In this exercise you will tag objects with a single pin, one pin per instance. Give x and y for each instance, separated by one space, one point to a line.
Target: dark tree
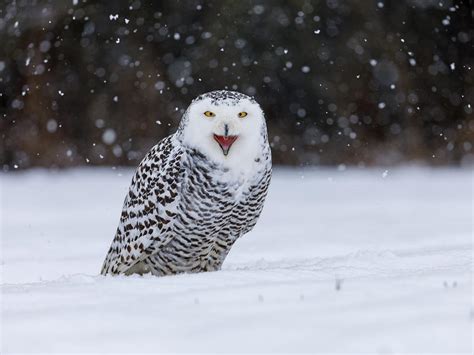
342 82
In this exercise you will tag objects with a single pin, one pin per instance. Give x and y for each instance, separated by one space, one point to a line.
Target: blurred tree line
341 82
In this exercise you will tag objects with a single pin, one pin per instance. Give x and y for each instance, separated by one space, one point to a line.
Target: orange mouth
225 142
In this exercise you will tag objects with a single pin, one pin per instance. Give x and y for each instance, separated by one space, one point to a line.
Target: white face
227 131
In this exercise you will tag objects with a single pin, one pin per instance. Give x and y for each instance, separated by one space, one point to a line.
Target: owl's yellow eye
209 114
242 114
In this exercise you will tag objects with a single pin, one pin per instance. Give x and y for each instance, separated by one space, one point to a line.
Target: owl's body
187 205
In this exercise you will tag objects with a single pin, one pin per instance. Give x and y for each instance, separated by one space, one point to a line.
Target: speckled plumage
185 209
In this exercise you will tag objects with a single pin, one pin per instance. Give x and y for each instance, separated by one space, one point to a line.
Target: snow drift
340 261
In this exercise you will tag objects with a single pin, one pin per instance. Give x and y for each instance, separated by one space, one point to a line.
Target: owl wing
149 208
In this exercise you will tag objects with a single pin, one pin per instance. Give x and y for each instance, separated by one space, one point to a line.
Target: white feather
199 133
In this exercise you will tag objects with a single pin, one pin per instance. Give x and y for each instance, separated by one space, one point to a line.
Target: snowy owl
196 192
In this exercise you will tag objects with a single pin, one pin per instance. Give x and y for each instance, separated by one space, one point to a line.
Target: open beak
225 142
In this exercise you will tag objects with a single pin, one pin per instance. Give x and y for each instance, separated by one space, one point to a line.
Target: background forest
342 82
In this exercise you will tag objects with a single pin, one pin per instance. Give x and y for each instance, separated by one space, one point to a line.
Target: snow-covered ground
340 261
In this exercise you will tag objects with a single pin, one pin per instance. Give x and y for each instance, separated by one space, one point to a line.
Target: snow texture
370 261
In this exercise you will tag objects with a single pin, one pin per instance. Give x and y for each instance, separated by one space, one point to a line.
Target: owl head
226 126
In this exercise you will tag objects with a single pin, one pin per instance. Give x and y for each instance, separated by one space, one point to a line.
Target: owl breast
216 207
